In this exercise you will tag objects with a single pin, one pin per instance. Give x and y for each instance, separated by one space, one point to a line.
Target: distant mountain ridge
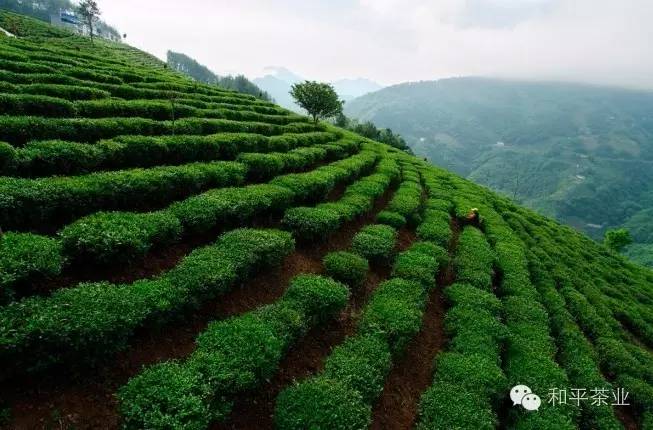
278 82
581 153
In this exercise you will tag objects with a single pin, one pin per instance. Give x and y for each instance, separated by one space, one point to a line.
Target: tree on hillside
617 239
319 99
90 13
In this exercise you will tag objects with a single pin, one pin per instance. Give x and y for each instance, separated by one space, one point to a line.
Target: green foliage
420 263
110 237
392 219
311 224
362 363
375 242
394 312
179 393
91 320
26 258
618 239
32 202
450 406
321 403
319 99
346 267
317 295
232 356
185 64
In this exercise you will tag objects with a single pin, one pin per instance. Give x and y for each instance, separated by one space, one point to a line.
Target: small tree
90 12
319 99
617 239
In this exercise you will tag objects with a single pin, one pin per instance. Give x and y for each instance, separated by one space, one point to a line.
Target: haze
392 41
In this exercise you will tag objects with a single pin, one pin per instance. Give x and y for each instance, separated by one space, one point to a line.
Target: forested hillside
178 256
184 64
579 153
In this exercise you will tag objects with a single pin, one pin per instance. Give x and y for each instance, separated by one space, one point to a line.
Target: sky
393 41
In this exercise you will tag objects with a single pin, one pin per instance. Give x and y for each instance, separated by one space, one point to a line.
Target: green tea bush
318 296
311 224
420 263
35 105
67 92
232 356
375 242
227 206
362 363
346 267
394 312
90 321
474 373
435 227
179 392
450 406
393 219
32 202
25 258
407 201
474 259
110 237
321 403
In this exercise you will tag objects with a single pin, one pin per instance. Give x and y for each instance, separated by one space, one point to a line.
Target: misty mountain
277 83
583 154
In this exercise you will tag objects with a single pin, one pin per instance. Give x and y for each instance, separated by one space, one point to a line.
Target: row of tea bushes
232 357
89 322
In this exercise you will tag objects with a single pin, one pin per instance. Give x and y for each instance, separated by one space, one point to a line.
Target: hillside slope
581 154
177 256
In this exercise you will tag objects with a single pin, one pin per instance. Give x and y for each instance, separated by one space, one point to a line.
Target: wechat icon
523 395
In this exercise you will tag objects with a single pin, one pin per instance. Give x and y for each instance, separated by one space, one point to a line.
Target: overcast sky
393 41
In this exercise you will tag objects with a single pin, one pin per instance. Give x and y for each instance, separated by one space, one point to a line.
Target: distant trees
319 99
90 13
188 66
369 130
617 239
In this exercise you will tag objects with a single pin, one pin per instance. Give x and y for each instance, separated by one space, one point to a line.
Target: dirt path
60 400
413 374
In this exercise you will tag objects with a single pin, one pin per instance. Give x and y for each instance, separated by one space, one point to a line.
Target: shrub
321 403
25 104
26 257
474 259
235 355
362 363
312 224
165 396
262 166
434 231
109 237
418 266
317 295
474 373
450 406
31 202
7 158
375 242
90 321
460 294
394 312
393 219
346 267
226 207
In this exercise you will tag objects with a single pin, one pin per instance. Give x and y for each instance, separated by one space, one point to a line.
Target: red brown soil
413 373
86 401
626 415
